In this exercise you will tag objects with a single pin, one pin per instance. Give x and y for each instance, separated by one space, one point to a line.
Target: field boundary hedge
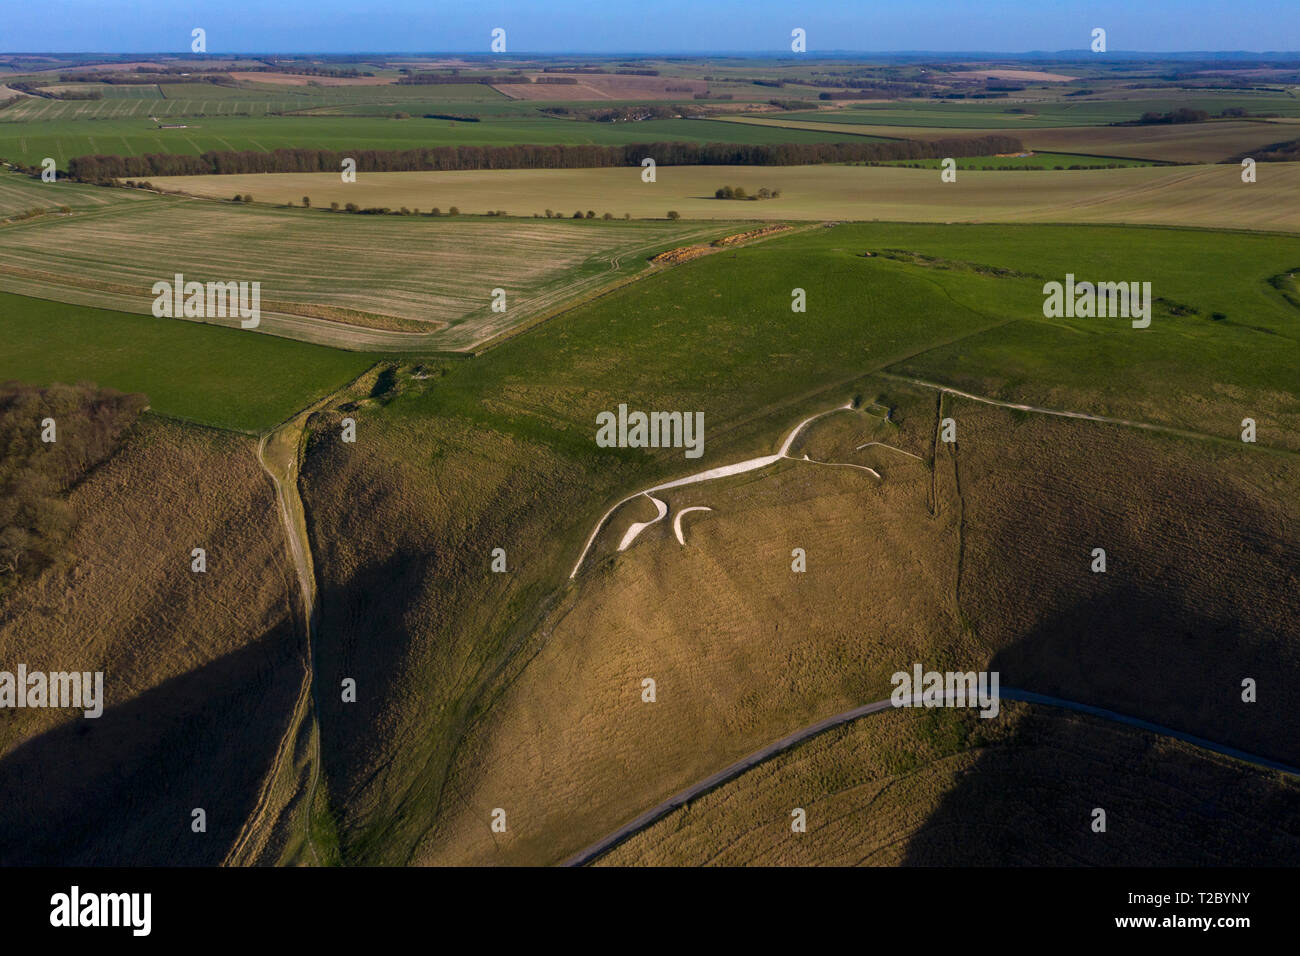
100 168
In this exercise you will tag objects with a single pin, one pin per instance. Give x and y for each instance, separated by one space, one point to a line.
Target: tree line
100 168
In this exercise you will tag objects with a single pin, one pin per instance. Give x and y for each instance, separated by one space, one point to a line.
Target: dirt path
277 453
1085 416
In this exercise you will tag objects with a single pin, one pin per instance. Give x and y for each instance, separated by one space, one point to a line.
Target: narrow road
652 816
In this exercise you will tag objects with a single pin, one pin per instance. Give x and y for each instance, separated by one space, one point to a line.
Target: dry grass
987 567
374 272
1202 587
742 648
200 670
1211 196
940 789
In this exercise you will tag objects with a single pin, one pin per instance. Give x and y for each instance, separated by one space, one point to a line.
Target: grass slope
460 665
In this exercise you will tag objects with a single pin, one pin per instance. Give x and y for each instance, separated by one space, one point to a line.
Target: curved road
645 820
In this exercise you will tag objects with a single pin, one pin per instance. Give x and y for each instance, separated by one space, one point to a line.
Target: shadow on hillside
365 636
1029 800
119 789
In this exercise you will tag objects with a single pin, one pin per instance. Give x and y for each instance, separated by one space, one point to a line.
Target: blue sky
592 26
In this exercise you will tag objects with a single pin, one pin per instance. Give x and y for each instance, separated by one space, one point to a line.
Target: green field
133 134
868 313
21 193
1212 142
214 376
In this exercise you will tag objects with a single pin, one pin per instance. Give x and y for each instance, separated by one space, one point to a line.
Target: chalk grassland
126 130
498 452
941 788
200 670
421 283
1151 635
741 649
1212 196
1216 352
224 377
1175 143
744 651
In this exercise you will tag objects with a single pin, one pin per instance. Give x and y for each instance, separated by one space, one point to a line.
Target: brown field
1179 143
608 86
351 281
1211 196
940 789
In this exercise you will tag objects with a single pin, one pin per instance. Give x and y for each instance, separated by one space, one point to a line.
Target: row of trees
147 77
50 94
99 168
738 192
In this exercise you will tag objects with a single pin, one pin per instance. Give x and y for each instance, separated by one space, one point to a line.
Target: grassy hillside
200 670
938 789
459 664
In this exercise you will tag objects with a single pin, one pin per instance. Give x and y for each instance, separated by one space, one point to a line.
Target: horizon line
776 53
